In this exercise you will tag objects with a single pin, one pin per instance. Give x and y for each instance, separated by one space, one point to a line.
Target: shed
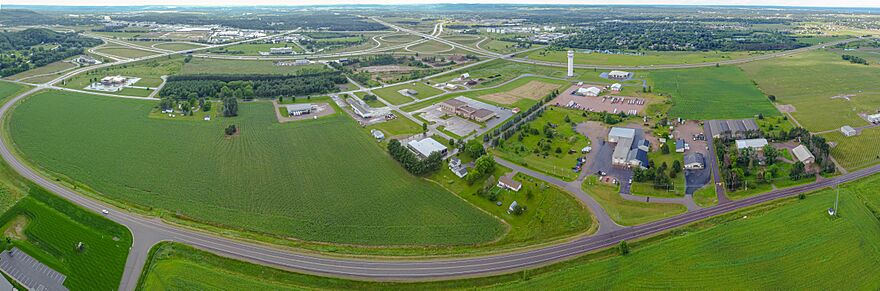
802 154
848 130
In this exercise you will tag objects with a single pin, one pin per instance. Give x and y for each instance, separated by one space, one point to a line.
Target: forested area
676 36
37 47
251 86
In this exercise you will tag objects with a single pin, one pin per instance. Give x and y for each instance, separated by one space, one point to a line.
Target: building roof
802 153
455 103
621 150
459 171
591 90
622 132
616 86
618 73
847 128
359 106
733 126
751 143
509 182
483 113
426 146
639 155
378 134
694 158
299 107
679 144
467 109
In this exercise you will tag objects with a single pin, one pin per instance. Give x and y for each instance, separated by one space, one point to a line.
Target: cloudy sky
821 3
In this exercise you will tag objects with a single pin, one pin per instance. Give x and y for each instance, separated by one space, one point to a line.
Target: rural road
147 231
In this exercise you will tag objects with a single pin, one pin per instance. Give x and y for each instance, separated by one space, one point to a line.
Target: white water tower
570 63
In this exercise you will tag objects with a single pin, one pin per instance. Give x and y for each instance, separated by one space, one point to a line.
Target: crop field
712 93
538 152
646 59
825 91
391 95
626 212
125 52
533 90
149 71
177 46
500 46
205 66
856 151
270 179
48 228
254 49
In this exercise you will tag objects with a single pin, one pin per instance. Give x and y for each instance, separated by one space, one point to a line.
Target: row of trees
251 86
509 128
854 59
411 162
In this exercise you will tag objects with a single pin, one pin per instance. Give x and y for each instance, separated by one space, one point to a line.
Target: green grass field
431 47
808 81
647 59
626 212
372 103
50 230
400 126
125 52
205 66
712 93
391 95
53 69
254 49
177 46
149 71
269 179
477 93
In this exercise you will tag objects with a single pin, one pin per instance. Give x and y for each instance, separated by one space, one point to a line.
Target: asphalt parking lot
30 272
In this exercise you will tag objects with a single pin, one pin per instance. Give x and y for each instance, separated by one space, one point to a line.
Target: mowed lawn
712 93
391 95
646 59
48 228
318 180
626 212
810 80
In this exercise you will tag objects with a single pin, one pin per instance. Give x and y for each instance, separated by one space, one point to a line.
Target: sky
818 3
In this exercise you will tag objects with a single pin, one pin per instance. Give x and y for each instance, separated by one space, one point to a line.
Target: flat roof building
360 108
848 130
280 50
802 154
300 109
620 132
616 87
732 127
754 143
590 91
619 75
426 147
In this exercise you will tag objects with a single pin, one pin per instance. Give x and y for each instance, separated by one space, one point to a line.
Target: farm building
754 143
408 92
616 87
619 75
681 146
280 50
508 183
360 108
802 154
590 91
300 109
732 127
426 147
377 134
848 130
694 161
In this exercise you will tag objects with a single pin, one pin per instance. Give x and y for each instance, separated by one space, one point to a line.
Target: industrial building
280 50
425 147
735 128
616 87
360 108
300 109
619 75
589 91
461 108
754 143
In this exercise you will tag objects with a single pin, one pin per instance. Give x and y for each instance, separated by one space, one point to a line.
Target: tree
230 107
676 166
206 107
623 248
230 130
665 148
772 98
474 149
424 127
770 154
798 171
518 210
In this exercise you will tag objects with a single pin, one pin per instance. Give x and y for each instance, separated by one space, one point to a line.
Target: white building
755 143
874 118
802 154
300 109
619 75
512 207
623 137
848 130
426 147
616 87
360 108
591 91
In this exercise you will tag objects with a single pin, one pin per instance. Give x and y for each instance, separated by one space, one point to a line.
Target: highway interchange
147 231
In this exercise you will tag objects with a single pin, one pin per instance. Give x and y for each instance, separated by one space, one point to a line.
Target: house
848 130
694 161
408 92
616 87
280 50
377 134
732 128
457 168
619 75
507 182
754 143
300 109
589 91
425 147
802 154
681 146
512 207
360 108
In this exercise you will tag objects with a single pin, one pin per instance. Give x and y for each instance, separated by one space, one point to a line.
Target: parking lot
30 272
612 103
454 124
461 126
691 131
602 163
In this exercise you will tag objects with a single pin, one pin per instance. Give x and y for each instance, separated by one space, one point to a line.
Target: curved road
147 231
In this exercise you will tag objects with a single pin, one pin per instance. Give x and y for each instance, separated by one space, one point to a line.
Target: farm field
626 212
391 95
252 180
646 59
712 93
533 90
214 66
855 152
125 52
536 151
149 71
48 228
254 49
810 81
177 46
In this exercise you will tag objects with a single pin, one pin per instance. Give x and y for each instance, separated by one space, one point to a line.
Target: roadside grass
52 228
499 46
757 238
808 81
149 71
430 47
177 46
125 52
712 93
391 95
254 49
397 127
372 103
12 186
706 196
53 69
678 183
648 58
537 152
270 180
213 66
626 212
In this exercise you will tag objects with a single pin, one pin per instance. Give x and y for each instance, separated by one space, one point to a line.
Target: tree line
411 162
854 59
251 86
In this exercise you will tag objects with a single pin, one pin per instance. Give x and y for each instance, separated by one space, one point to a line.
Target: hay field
533 90
712 93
